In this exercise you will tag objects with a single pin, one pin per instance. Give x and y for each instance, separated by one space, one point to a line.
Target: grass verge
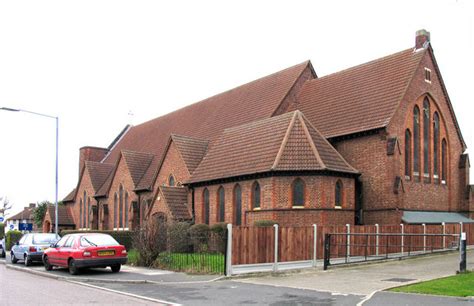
192 263
133 257
457 285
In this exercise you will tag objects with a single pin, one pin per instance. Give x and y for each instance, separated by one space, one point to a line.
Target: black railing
343 248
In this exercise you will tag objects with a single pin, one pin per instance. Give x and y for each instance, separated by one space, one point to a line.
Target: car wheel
47 265
116 268
14 259
73 270
27 261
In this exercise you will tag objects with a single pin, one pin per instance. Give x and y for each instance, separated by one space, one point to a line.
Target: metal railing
343 248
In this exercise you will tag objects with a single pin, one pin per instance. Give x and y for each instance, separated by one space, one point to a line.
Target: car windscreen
44 238
98 240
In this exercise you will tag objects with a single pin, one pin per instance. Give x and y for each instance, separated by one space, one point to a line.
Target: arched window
338 194
121 207
126 209
298 192
221 201
205 200
115 210
80 214
84 215
444 161
171 180
436 146
237 205
426 139
256 195
416 141
407 153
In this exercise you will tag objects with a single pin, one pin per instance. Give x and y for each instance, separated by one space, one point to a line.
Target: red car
85 250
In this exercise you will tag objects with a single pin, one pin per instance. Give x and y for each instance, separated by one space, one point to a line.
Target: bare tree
5 205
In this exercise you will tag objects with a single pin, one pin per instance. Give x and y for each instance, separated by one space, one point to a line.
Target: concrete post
315 244
348 242
275 263
228 263
444 233
376 239
460 228
424 237
403 236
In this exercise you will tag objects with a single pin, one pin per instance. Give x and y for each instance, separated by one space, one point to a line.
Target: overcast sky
95 63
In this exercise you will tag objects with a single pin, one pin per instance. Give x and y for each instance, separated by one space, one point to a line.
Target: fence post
228 263
348 242
424 237
327 251
275 263
315 244
460 229
444 233
462 252
403 237
376 239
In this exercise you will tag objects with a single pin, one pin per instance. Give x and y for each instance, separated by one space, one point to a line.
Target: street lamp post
56 178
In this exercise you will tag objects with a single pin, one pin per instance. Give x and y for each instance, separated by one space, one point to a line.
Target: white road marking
368 297
125 293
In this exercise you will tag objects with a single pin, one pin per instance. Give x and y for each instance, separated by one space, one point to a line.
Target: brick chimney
422 39
32 205
90 154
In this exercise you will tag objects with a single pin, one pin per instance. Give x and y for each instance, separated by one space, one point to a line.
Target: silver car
2 248
31 246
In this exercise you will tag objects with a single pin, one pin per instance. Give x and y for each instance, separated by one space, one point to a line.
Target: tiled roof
70 196
360 98
147 180
104 189
64 217
137 164
192 150
208 118
98 172
176 198
283 143
25 214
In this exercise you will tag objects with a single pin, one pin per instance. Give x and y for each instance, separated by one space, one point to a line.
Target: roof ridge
189 137
363 64
285 140
327 141
311 141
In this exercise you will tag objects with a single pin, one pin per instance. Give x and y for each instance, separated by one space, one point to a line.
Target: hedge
2 230
12 237
122 237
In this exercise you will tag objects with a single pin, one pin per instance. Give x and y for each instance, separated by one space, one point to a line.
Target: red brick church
375 143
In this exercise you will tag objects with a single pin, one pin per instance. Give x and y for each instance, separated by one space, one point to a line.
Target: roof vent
422 39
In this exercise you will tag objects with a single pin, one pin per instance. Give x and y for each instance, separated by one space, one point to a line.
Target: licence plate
106 253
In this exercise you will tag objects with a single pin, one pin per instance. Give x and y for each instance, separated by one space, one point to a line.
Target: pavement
344 285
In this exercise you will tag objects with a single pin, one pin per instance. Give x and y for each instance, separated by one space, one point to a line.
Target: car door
17 249
54 253
65 251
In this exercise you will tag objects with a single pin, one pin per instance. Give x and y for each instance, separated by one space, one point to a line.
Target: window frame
408 155
237 205
221 204
254 194
206 206
338 194
295 196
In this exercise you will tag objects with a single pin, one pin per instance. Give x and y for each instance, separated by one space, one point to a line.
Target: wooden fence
256 245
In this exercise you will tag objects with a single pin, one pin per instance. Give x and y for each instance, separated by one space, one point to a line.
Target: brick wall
90 154
276 201
85 185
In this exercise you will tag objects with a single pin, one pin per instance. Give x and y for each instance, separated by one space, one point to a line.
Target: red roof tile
98 173
25 214
208 118
360 98
64 216
70 197
192 150
283 143
176 198
137 164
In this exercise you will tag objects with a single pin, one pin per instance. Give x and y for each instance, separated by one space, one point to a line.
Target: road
19 288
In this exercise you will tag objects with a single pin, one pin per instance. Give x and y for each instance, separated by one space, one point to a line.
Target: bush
219 236
122 237
2 230
150 240
265 223
178 236
133 257
199 234
12 237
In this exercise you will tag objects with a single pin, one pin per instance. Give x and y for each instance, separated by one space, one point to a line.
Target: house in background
65 220
375 143
22 221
